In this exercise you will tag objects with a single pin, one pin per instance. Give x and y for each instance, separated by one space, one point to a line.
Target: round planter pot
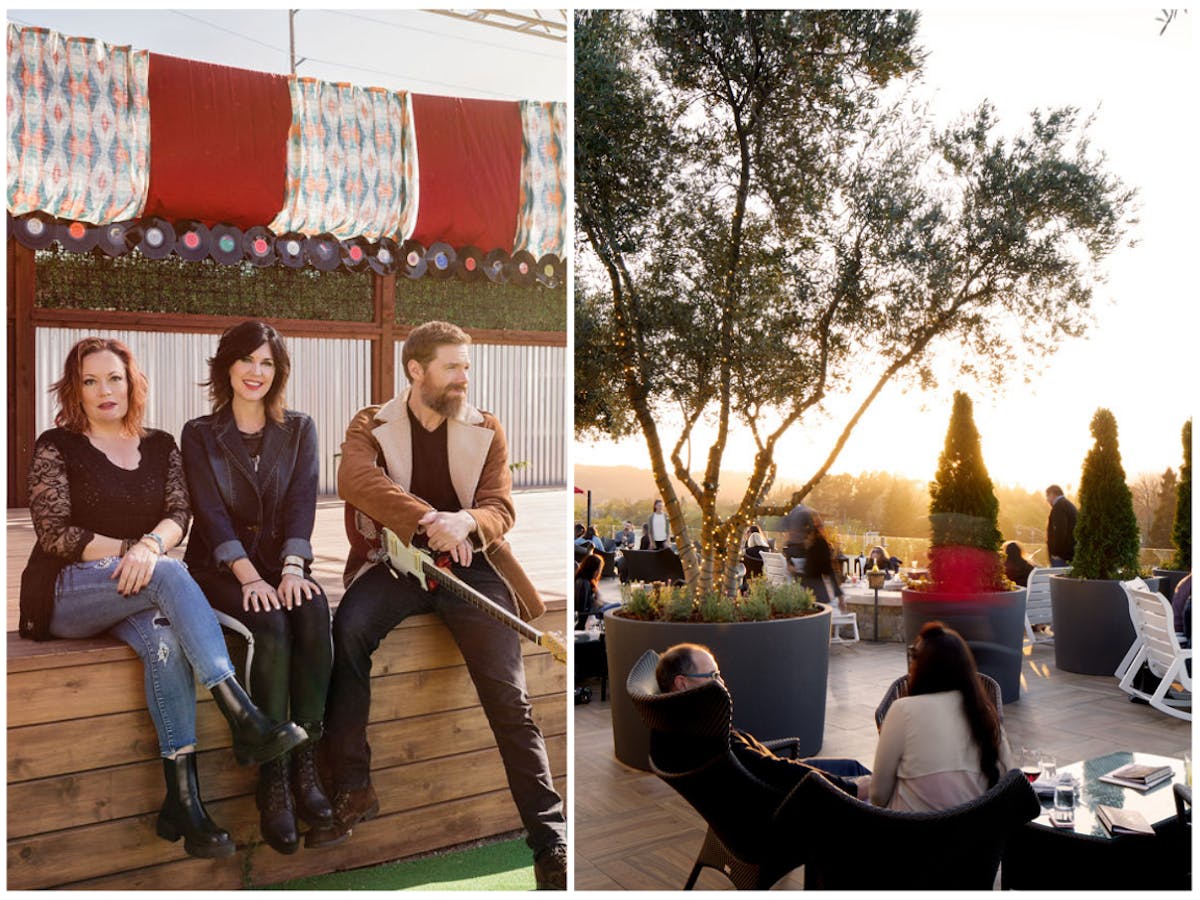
992 624
1170 581
776 672
1092 628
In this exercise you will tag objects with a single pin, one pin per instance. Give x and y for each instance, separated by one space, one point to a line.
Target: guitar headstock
553 641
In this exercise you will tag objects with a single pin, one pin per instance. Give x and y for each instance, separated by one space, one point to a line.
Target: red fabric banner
469 170
218 142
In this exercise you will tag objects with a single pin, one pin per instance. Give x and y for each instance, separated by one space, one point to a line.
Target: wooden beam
108 319
383 348
22 373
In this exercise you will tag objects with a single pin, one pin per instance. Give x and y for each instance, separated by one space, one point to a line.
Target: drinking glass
1030 763
1065 795
1049 766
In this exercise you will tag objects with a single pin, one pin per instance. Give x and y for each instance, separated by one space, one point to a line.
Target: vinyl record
118 238
226 245
441 257
412 259
323 252
469 266
523 267
258 245
77 237
36 231
354 253
496 266
383 256
158 238
550 271
290 249
192 240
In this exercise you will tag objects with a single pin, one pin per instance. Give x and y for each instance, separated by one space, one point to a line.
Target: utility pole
292 40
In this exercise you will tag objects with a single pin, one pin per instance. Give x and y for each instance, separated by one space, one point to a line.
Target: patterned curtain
78 127
541 223
351 162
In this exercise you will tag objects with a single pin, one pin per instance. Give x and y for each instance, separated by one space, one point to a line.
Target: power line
244 37
440 34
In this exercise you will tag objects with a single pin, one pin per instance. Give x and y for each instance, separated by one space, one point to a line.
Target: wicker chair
899 688
957 848
689 750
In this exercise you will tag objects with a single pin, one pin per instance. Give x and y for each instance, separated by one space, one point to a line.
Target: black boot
277 815
312 803
183 814
255 738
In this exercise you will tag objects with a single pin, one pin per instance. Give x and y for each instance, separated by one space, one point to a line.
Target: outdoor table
860 592
1041 856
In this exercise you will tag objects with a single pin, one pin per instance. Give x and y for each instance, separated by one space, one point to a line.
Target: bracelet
298 571
157 538
127 545
149 545
252 581
293 560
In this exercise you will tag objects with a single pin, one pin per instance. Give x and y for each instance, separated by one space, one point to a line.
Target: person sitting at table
645 543
593 538
626 537
686 666
1181 606
1016 566
943 744
879 557
587 588
755 545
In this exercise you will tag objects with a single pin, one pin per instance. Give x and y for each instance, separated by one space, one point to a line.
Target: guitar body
405 559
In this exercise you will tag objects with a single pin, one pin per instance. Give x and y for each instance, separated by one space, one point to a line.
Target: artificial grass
503 866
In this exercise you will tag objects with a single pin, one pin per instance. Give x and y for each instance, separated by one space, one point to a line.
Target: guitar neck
461 589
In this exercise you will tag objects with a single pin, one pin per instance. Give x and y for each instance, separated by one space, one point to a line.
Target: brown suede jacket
376 472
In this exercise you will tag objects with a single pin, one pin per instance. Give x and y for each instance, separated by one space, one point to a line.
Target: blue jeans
168 623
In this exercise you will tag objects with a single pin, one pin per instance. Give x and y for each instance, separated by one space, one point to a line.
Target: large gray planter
1170 581
776 672
1092 628
992 624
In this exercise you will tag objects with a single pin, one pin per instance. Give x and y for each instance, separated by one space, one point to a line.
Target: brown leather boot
277 816
312 804
550 868
350 806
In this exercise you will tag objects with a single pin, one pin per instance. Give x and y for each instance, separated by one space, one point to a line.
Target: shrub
756 605
674 603
716 607
1181 533
964 554
638 602
791 599
1106 533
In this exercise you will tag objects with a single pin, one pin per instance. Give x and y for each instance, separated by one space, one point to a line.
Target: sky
1138 360
395 49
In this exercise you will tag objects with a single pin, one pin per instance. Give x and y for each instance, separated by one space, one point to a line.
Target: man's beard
443 402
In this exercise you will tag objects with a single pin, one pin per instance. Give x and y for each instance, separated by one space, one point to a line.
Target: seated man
687 666
625 537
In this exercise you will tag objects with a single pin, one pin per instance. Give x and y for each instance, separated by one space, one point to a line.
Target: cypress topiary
1182 532
963 512
1106 533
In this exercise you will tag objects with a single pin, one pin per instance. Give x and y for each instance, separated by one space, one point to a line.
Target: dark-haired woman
252 470
942 745
587 588
108 500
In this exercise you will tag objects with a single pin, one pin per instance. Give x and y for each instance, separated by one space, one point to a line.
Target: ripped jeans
168 623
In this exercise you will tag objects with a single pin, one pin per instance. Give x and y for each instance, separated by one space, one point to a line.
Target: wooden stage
85 781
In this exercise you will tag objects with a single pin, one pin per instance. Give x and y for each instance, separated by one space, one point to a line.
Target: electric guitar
405 559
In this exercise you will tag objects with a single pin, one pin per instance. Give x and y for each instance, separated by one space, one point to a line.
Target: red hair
69 388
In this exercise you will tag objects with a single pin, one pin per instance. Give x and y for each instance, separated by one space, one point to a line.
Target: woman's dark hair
1012 550
590 568
237 342
590 533
942 661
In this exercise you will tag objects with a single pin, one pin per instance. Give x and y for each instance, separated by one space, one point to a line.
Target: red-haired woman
942 745
108 500
252 469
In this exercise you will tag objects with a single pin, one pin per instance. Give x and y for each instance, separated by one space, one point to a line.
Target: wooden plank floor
632 832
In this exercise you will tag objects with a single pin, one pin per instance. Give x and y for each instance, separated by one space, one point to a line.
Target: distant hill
632 483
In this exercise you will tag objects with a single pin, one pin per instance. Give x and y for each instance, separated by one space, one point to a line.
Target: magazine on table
1123 821
1139 777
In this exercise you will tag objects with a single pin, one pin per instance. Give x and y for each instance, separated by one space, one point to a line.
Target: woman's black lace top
76 492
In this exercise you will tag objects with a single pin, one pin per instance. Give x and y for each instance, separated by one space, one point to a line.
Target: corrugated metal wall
524 386
330 381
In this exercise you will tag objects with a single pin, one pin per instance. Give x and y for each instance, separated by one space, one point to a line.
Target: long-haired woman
942 745
587 588
108 500
252 469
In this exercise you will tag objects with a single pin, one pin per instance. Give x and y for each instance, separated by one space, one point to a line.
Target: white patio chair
1159 648
1037 603
775 568
1129 586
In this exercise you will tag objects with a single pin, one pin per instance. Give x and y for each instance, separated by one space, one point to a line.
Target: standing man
1060 529
658 527
434 469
